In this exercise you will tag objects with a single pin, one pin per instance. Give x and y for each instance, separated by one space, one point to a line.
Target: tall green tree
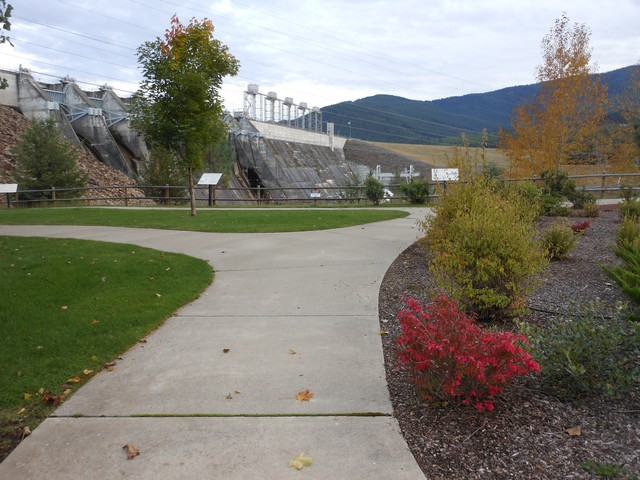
561 125
47 160
5 26
178 105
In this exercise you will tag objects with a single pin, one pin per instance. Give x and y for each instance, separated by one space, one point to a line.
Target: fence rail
604 185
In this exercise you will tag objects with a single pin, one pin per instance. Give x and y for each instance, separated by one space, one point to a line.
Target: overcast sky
322 51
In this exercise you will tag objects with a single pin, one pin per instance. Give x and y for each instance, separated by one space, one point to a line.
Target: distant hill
392 119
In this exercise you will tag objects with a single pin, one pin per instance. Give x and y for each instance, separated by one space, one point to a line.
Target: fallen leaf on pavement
132 451
229 397
292 351
225 350
304 395
301 461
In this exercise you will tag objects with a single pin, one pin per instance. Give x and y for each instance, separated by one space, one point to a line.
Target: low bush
482 247
629 232
627 275
591 210
450 356
559 241
552 206
630 209
594 352
629 194
581 198
417 191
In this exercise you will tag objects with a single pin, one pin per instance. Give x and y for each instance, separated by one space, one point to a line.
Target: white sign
444 174
210 179
315 193
8 187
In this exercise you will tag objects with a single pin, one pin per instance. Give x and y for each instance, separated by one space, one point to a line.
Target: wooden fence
604 185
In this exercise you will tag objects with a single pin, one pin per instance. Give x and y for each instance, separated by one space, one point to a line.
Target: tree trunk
192 193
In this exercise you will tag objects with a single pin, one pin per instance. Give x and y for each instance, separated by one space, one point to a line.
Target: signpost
212 180
8 188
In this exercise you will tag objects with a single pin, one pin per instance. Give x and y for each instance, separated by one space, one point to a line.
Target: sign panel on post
444 174
315 193
210 179
8 187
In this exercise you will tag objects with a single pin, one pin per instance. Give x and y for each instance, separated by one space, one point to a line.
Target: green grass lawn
222 221
71 306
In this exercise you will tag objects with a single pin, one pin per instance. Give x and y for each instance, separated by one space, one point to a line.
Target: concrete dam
277 161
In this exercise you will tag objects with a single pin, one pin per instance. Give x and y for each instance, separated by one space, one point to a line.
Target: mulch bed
526 436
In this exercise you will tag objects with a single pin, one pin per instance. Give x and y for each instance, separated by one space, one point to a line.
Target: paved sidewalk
295 311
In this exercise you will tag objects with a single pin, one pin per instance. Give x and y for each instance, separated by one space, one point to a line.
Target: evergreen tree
47 161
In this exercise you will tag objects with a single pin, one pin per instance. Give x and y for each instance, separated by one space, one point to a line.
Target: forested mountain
387 118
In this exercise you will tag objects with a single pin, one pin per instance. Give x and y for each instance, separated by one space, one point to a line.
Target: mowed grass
436 155
222 221
69 307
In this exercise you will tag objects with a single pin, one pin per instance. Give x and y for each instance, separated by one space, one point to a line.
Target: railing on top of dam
600 184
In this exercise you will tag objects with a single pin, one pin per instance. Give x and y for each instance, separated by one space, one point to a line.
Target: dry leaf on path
132 451
229 397
300 462
292 351
225 350
575 431
304 395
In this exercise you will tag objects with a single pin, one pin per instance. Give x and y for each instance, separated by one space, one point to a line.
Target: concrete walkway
295 311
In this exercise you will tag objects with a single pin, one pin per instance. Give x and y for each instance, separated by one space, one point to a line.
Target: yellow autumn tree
561 126
623 133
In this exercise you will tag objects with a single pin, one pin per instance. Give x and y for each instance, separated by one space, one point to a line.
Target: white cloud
324 52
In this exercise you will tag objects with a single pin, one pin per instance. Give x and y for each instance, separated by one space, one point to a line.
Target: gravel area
526 436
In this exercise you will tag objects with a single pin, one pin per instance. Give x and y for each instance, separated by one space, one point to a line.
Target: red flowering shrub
450 356
580 228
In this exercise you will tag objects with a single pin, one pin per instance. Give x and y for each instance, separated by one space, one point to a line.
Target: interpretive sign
8 187
210 179
444 174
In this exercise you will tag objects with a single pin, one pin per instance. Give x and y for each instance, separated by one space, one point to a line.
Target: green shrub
558 241
591 210
630 209
628 194
594 352
482 247
627 275
581 198
47 161
417 191
552 206
529 191
557 183
373 190
629 232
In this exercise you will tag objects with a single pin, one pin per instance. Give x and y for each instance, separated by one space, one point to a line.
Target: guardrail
604 185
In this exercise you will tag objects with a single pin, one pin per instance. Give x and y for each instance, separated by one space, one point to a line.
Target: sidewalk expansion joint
229 415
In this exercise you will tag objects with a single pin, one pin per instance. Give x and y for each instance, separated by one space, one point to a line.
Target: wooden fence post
126 196
604 180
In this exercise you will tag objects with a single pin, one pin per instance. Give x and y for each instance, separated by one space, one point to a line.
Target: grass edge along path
219 221
69 308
